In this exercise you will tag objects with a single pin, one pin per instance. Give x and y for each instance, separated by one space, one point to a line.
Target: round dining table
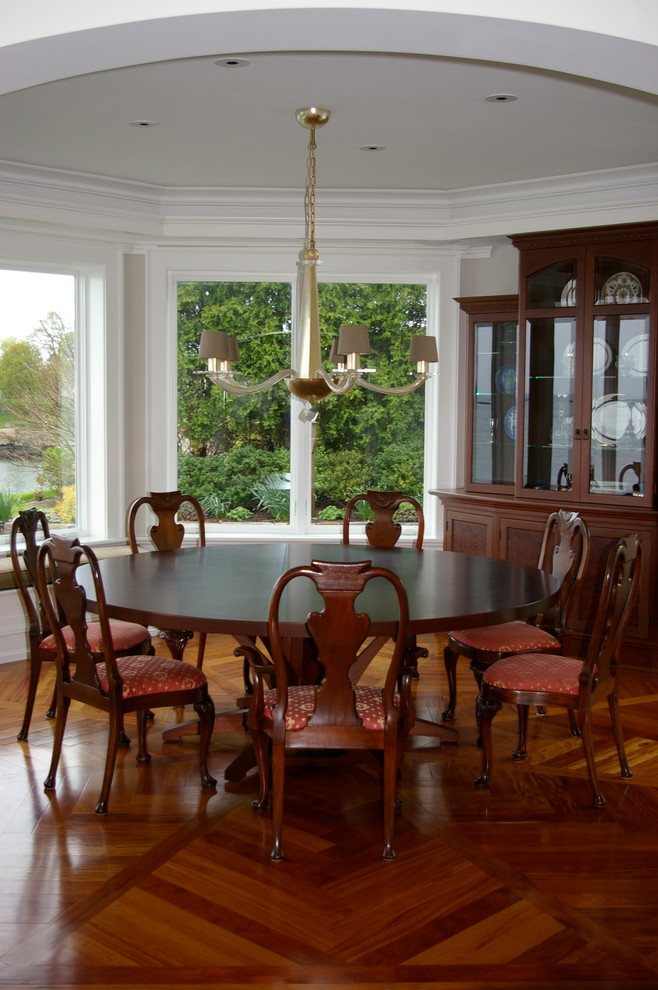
226 588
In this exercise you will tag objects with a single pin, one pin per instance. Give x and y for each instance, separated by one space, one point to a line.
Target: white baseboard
14 643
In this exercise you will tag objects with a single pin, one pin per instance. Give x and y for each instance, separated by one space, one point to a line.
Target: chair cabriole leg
486 710
390 775
35 672
205 709
588 746
143 755
450 664
278 778
63 705
521 752
110 762
615 718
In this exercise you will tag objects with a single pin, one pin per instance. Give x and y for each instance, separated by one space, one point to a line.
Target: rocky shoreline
12 449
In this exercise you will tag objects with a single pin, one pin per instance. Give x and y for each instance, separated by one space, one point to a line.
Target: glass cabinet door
550 376
550 364
620 366
494 402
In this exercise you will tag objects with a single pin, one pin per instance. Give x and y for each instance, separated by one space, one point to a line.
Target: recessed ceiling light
232 62
501 98
373 147
144 123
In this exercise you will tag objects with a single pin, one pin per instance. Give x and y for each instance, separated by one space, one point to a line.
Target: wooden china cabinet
561 411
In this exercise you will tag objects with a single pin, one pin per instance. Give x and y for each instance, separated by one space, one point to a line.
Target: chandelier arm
340 382
226 381
394 389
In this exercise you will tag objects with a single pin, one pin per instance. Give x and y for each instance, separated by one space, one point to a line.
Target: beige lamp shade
335 357
423 348
234 349
215 344
353 339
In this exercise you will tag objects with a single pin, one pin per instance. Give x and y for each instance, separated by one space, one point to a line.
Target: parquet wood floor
523 886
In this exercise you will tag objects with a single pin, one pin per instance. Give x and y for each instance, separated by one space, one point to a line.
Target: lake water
18 476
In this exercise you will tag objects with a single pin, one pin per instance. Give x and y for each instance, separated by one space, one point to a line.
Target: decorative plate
506 379
601 356
634 359
568 297
621 288
616 417
509 422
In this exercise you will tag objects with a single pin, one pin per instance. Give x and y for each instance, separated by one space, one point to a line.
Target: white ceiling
235 127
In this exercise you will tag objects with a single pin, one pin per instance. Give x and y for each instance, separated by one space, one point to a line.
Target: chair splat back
30 525
564 554
618 595
383 531
336 713
338 632
65 603
167 533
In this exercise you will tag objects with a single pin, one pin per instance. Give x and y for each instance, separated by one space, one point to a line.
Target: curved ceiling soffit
614 60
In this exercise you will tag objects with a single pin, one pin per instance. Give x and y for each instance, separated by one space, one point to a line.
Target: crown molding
36 195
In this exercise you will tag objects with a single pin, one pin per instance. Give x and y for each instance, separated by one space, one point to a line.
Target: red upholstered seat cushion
301 705
153 675
535 672
125 636
506 637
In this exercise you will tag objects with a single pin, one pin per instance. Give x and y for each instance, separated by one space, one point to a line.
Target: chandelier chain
309 198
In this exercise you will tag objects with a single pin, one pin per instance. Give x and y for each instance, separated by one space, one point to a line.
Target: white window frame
437 268
100 512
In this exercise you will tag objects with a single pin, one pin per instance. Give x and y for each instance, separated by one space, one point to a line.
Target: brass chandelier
311 382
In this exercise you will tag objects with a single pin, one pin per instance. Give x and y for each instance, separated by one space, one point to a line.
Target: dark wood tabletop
227 588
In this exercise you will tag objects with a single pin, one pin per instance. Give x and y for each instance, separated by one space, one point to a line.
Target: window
244 456
37 394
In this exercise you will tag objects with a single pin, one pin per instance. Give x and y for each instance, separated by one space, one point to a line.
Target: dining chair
167 534
114 685
565 554
335 714
29 528
384 530
568 682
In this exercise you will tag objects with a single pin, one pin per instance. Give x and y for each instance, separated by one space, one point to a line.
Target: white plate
601 356
568 297
634 360
613 414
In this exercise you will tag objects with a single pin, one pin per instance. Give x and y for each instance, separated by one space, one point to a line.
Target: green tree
37 385
258 314
353 431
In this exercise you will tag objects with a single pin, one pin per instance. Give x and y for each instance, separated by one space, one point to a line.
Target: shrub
273 494
214 505
399 468
239 514
229 477
339 474
65 509
331 513
8 506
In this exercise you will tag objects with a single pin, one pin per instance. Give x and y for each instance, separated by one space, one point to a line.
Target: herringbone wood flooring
519 887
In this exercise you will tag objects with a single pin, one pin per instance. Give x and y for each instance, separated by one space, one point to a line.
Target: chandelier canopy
310 382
